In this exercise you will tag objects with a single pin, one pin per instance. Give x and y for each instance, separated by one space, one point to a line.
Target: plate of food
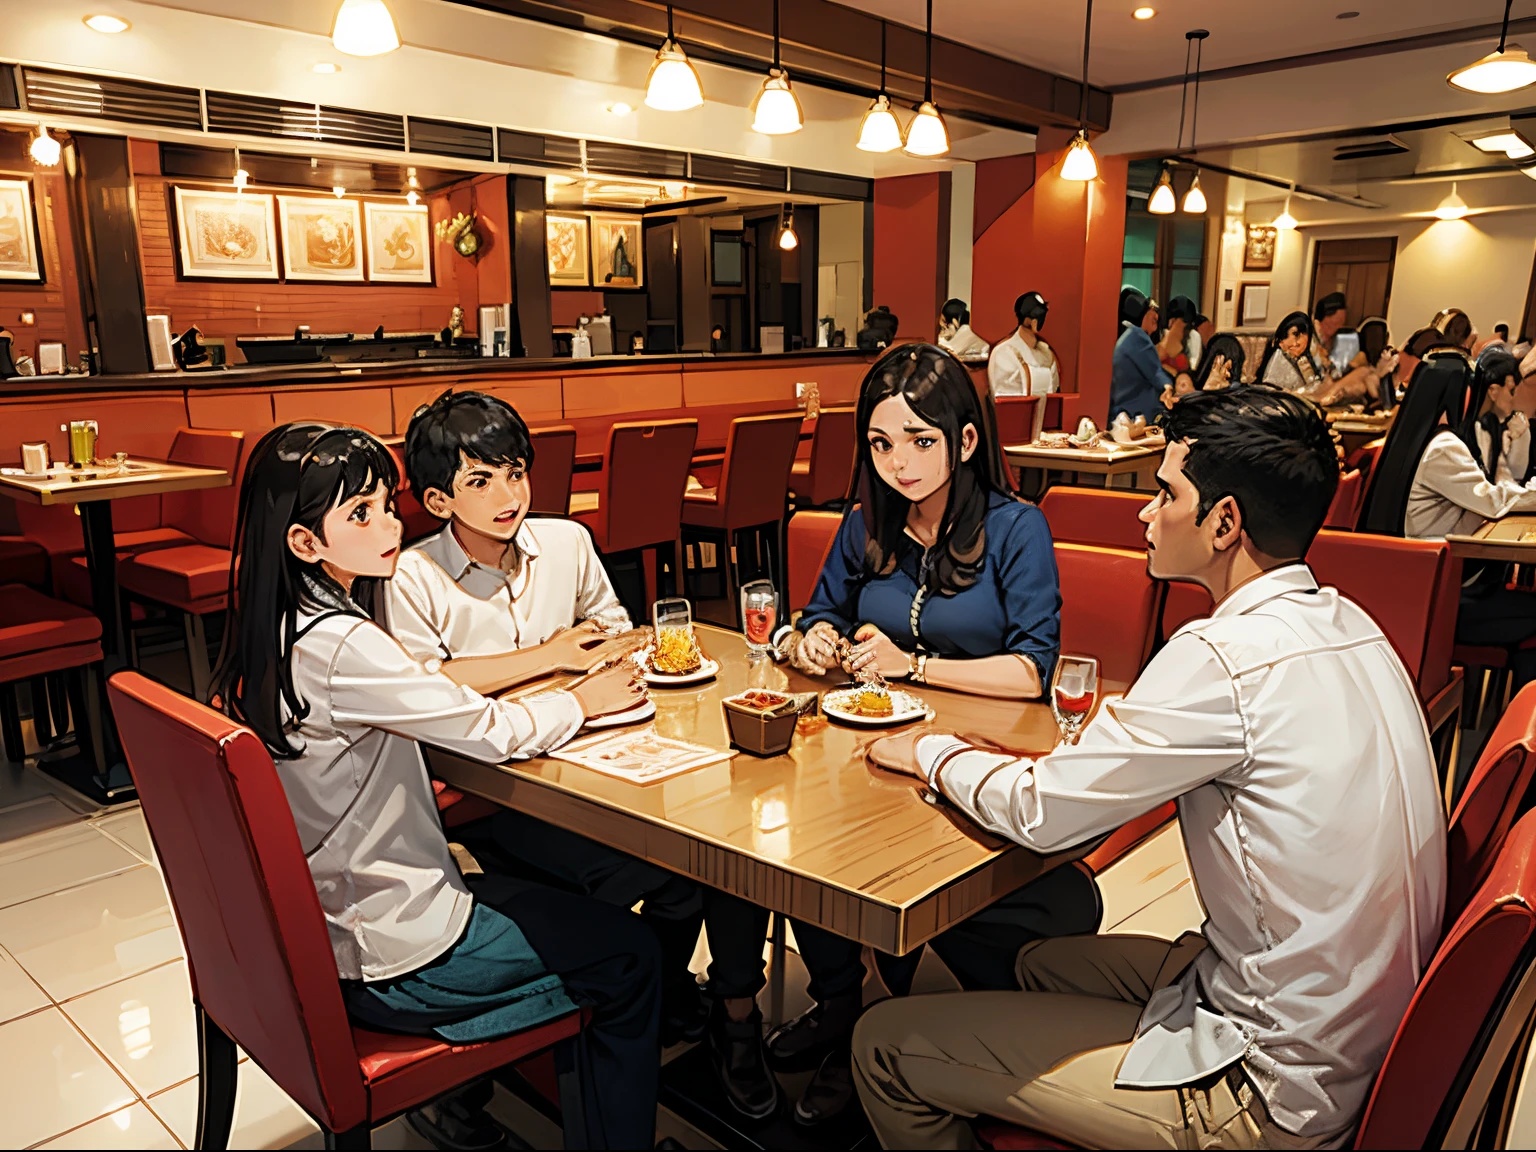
874 705
675 660
642 711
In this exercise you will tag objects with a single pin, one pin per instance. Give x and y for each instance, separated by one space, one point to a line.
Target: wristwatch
917 668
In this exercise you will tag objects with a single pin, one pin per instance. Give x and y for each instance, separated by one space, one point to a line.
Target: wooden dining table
1511 539
814 833
1136 463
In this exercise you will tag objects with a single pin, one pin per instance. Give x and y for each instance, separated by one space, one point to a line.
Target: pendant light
776 111
1285 222
1080 163
364 28
927 134
1194 199
1162 202
1453 207
44 148
242 177
788 241
880 131
1506 70
673 85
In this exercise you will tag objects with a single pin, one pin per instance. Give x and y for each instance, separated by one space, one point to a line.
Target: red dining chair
827 475
1363 459
258 951
752 495
554 463
1017 417
1344 512
22 561
1107 517
41 636
810 540
639 509
1109 607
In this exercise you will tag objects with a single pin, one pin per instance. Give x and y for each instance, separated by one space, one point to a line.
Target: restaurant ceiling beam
834 47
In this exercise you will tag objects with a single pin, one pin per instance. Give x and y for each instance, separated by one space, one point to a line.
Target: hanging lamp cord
1082 106
669 22
882 55
776 35
1183 96
1194 120
1504 31
928 65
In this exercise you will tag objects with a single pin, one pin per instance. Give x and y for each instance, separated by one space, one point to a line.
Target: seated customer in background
1292 737
940 576
1136 379
1221 365
341 706
1024 364
955 333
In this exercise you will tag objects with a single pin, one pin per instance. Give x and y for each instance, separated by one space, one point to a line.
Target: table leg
777 966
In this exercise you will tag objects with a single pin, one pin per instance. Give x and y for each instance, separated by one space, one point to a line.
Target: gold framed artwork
1259 249
18 233
225 235
618 260
567 239
322 238
399 243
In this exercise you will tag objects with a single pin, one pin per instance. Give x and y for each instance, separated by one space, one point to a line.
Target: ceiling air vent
291 120
1370 149
627 160
361 129
739 173
8 87
133 101
531 148
806 183
466 141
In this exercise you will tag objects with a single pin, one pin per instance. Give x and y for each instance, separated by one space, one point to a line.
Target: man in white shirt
1024 364
955 333
1293 739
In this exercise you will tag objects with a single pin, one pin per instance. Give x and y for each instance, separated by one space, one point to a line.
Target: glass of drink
759 615
1074 687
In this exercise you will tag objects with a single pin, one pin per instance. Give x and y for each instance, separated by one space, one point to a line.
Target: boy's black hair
1328 305
955 311
1270 451
459 424
1501 331
1031 306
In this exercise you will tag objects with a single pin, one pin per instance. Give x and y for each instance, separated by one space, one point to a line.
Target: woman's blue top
1136 377
1014 605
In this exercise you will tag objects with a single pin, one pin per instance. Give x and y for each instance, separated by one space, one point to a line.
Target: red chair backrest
1345 509
754 480
1102 516
1016 418
258 952
810 539
833 454
554 462
647 474
1466 983
1183 603
206 514
1108 607
417 521
1494 795
1364 457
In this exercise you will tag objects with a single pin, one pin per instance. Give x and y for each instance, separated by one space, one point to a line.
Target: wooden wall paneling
367 408
248 412
56 303
617 393
112 248
530 266
538 401
808 229
693 281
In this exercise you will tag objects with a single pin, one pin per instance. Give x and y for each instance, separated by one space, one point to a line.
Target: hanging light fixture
1194 199
1506 70
927 134
1453 207
44 148
673 85
788 241
364 28
880 131
1162 202
1285 222
242 177
412 197
338 191
1080 162
776 111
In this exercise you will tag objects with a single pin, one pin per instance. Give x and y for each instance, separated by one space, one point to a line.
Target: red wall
56 302
911 231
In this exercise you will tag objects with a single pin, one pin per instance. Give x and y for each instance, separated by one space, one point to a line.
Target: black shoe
685 1015
800 1044
736 1054
448 1122
830 1091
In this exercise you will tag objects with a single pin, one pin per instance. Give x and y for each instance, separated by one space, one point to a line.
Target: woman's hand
1386 363
1221 374
817 651
580 650
875 651
616 689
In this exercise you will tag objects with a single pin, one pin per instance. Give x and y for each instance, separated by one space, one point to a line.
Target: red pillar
911 254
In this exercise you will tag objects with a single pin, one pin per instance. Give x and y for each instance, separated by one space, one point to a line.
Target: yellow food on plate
873 701
677 652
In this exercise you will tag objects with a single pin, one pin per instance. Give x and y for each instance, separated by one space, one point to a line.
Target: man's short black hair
1328 305
1501 331
955 312
1030 306
1270 451
474 424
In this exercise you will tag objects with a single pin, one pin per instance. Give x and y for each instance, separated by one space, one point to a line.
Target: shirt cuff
557 716
931 750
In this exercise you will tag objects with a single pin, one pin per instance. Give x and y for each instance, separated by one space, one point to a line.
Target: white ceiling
1128 51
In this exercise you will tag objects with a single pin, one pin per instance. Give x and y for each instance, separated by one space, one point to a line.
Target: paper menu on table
639 756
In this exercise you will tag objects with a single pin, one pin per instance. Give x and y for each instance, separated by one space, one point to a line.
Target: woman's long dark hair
1439 389
939 390
1301 322
1492 369
295 475
1222 344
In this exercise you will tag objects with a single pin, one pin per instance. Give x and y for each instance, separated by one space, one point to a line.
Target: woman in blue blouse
941 577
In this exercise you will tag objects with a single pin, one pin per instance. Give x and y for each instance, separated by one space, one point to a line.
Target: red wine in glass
760 624
1073 691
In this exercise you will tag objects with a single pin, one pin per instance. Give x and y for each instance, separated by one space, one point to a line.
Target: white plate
635 715
707 671
905 708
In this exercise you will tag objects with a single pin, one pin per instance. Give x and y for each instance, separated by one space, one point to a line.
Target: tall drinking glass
675 646
1074 687
759 615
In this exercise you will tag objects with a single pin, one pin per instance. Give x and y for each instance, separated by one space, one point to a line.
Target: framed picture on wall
399 242
1252 305
617 258
1259 250
226 235
19 260
568 240
322 238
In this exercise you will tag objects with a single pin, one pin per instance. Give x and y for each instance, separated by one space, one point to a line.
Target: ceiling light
1162 201
339 191
673 85
788 241
111 25
242 179
1285 222
412 197
1453 207
325 68
1194 199
776 110
364 28
619 108
880 131
927 134
44 148
1505 69
674 190
1080 162
1506 142
1144 13
410 178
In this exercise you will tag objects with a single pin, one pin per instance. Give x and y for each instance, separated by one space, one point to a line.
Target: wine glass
1074 687
759 614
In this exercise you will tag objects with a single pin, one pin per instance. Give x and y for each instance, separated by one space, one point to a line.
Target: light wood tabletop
139 477
1138 461
1511 539
861 853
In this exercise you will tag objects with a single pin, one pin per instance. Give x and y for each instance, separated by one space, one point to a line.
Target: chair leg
197 655
570 1059
85 701
58 701
42 727
731 562
217 1081
10 724
359 1137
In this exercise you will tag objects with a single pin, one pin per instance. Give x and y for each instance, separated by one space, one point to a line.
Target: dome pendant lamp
1285 222
927 134
1506 70
1162 202
44 149
364 28
673 85
880 131
776 111
1453 207
788 241
1080 162
1194 199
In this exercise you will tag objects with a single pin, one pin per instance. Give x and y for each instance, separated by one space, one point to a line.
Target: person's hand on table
581 650
875 650
1515 427
898 753
616 689
816 653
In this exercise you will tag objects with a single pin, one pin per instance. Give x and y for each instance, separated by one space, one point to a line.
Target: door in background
1362 270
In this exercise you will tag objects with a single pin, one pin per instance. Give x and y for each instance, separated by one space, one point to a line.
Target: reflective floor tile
51 1080
145 1025
36 815
264 1115
19 994
128 826
59 858
131 1127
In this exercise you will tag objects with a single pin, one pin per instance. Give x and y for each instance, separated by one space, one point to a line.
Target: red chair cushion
206 515
1478 656
31 622
23 561
71 575
55 659
1185 602
185 577
996 1134
1102 516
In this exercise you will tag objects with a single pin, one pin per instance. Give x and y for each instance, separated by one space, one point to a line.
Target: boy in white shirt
1024 364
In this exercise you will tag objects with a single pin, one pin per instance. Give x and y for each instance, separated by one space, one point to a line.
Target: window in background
1164 255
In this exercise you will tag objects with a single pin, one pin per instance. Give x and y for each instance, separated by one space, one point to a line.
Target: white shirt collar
480 580
1288 578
